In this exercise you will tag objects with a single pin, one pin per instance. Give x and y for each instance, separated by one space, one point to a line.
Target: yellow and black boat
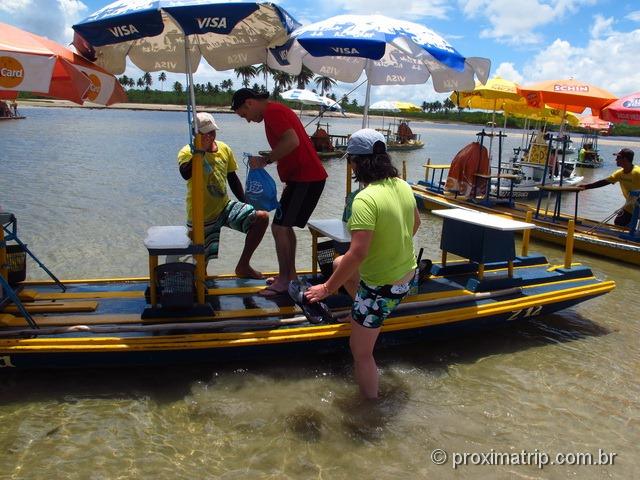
591 236
172 318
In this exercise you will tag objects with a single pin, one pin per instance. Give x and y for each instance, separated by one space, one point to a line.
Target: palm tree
448 105
162 78
177 87
282 80
266 70
325 83
123 80
132 83
246 73
304 77
140 82
148 81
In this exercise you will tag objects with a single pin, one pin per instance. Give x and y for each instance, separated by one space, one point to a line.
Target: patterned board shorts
375 303
235 215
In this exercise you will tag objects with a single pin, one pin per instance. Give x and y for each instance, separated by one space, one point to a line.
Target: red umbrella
30 63
623 110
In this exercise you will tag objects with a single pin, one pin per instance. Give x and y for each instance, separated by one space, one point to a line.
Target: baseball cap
625 153
363 142
206 123
243 95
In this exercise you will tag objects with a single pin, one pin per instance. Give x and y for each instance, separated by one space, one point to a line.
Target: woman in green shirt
380 267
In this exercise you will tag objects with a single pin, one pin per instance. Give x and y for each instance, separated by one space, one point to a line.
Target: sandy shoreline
310 113
162 107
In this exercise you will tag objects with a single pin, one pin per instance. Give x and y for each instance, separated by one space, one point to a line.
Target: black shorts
298 201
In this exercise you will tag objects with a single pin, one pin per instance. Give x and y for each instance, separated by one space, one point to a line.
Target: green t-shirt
386 207
628 182
216 166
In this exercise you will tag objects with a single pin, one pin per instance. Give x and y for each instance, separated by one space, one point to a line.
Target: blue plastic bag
260 190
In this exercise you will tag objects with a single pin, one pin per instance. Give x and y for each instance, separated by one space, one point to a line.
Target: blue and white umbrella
308 97
155 33
388 51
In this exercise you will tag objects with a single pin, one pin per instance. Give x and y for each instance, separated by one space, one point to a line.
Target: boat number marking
6 362
526 313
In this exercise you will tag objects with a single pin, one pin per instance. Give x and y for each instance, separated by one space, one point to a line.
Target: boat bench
334 229
479 237
166 240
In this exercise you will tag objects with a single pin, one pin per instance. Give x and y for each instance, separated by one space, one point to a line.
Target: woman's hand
316 293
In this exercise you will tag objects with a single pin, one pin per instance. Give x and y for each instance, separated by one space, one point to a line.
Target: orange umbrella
567 95
30 63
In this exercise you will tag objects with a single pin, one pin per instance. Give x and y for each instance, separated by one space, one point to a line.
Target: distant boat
399 136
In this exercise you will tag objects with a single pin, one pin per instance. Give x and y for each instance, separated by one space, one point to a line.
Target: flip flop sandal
316 312
273 292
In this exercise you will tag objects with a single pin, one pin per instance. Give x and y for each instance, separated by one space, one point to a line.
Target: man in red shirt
299 167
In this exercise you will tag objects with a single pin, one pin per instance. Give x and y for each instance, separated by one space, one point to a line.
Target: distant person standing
299 167
5 111
586 153
14 107
220 167
629 178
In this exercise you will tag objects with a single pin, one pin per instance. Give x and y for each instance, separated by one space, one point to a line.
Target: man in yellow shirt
219 211
629 178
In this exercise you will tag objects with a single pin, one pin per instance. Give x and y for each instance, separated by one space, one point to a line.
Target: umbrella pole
197 187
544 174
367 98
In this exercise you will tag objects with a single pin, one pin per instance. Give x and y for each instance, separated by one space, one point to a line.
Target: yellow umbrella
490 96
395 106
546 114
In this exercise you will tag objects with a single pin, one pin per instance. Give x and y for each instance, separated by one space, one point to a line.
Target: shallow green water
86 184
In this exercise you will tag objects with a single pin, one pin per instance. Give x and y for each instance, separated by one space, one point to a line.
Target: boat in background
591 236
399 136
588 156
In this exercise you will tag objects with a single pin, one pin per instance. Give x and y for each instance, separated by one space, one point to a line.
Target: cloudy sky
596 41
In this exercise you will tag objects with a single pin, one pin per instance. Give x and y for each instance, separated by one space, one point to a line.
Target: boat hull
454 300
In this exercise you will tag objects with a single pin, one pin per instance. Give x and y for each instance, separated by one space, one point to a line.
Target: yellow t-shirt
216 166
628 182
386 207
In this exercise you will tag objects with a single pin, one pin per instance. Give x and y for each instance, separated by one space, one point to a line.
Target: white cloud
516 21
44 17
606 62
634 16
602 27
402 9
507 71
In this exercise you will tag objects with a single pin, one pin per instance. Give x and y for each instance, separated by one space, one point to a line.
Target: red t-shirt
301 165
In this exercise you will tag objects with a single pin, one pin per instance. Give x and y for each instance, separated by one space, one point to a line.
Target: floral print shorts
375 303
